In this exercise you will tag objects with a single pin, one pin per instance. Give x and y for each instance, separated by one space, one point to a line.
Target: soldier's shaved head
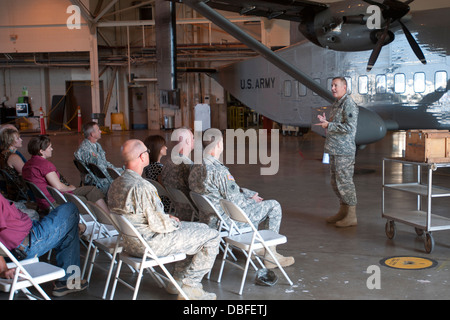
132 149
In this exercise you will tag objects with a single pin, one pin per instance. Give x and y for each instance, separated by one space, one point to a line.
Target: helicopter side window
287 88
399 83
349 85
301 89
380 83
419 82
363 85
440 80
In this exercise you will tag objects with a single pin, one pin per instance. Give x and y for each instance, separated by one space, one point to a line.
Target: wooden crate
431 146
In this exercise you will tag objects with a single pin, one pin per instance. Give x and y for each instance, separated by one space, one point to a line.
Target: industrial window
380 83
287 88
440 81
399 83
419 82
363 85
301 89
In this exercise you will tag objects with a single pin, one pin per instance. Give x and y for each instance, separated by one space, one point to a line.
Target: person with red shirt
26 238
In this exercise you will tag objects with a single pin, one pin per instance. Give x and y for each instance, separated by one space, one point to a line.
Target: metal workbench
421 219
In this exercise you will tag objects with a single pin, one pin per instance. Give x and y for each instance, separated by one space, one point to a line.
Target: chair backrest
83 169
176 195
95 169
81 166
125 227
113 172
203 203
57 195
160 188
235 213
9 180
103 219
82 207
102 216
38 194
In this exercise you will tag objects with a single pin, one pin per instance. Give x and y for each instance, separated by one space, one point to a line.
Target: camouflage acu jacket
341 132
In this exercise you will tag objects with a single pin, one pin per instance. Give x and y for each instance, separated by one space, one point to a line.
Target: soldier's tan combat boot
196 293
342 213
171 289
350 220
284 261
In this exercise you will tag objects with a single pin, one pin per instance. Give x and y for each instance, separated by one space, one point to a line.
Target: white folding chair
177 196
249 241
38 193
92 229
113 172
21 194
28 273
205 207
57 195
84 171
105 243
162 192
98 172
147 261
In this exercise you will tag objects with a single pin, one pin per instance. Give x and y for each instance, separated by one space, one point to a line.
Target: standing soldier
340 145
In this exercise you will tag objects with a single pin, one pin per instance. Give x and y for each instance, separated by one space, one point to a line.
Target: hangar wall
41 53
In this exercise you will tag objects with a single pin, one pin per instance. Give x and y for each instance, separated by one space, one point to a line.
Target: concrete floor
331 263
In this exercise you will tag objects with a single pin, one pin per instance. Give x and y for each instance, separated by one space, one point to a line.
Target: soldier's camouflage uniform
89 152
213 180
176 176
138 200
340 145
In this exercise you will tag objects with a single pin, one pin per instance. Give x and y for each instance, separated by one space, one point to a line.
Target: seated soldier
213 180
138 200
176 169
90 151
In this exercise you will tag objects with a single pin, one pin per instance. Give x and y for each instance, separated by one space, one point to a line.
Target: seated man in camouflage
138 200
90 151
175 173
213 180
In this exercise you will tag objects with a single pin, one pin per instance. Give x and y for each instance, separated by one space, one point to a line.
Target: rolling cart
421 219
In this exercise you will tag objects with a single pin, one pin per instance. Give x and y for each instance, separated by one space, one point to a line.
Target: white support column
95 81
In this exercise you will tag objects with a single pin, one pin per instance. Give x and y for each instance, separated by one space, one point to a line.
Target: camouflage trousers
198 241
342 169
266 214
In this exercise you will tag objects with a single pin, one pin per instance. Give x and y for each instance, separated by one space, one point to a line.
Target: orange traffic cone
41 119
79 119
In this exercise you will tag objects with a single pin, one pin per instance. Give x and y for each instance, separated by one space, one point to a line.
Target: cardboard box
430 146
